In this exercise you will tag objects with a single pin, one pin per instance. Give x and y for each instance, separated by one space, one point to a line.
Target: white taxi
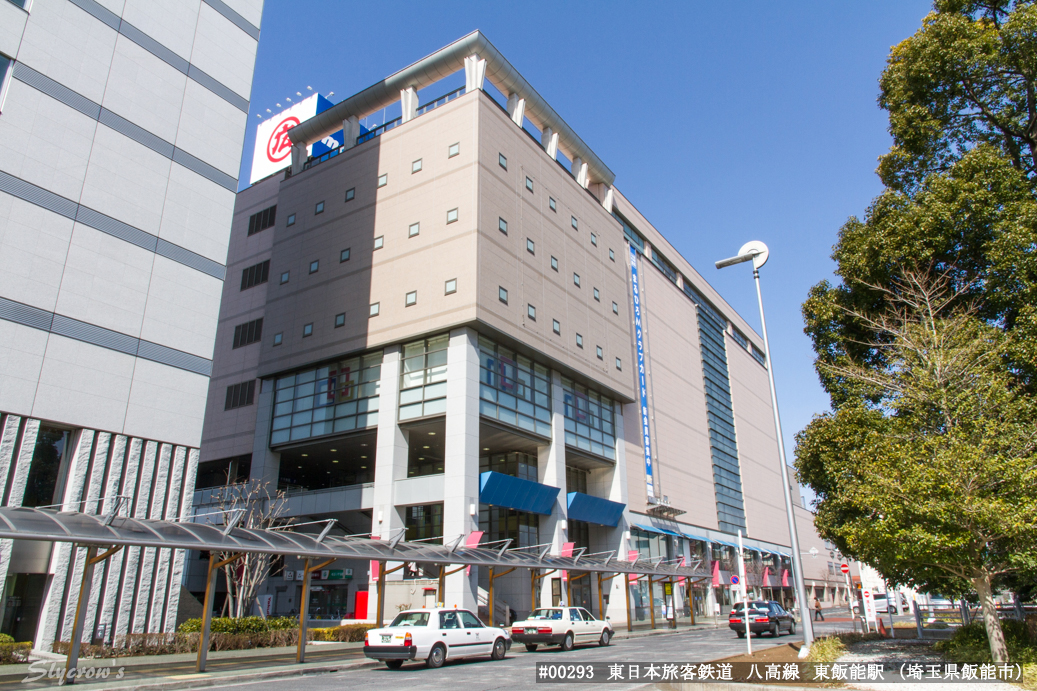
563 626
435 636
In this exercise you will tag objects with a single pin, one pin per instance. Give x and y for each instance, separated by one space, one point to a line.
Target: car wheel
531 647
499 650
774 630
394 664
436 657
567 642
606 637
741 634
792 628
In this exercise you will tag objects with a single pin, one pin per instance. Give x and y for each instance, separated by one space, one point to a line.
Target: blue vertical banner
642 384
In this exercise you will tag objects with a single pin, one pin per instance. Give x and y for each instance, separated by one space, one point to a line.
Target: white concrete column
266 463
474 73
350 131
516 108
608 201
461 467
549 140
409 103
621 533
8 457
298 158
581 173
551 471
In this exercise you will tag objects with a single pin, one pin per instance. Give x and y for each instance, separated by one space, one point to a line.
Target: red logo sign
280 145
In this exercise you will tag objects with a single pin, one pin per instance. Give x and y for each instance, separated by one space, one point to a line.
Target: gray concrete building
456 326
121 124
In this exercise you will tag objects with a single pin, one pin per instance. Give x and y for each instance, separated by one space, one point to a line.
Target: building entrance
22 605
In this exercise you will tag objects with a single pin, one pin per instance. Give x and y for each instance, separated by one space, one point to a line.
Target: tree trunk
998 649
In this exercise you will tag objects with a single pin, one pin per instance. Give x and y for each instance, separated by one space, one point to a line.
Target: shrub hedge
12 653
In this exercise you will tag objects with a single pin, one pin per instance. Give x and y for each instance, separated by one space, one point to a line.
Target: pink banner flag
472 541
766 572
785 578
374 565
567 551
680 581
632 557
716 572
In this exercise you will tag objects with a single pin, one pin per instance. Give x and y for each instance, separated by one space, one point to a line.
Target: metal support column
304 606
92 559
651 602
626 588
490 596
203 639
533 591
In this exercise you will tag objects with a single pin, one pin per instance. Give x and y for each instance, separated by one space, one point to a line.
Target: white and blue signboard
642 384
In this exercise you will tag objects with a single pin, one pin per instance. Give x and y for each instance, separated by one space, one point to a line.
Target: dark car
765 616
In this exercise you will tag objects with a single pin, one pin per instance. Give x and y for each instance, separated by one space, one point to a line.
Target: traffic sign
845 568
734 580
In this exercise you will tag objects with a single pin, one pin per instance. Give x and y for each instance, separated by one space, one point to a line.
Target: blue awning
653 529
725 542
701 538
515 493
583 507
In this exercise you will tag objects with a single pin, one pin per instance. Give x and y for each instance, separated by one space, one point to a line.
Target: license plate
386 639
531 630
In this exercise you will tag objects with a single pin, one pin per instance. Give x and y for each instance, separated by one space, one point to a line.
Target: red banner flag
632 557
716 572
785 578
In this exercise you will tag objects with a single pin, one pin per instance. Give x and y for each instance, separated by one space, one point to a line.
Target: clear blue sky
723 122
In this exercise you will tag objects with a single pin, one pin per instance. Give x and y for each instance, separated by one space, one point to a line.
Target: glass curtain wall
336 398
589 420
423 378
514 389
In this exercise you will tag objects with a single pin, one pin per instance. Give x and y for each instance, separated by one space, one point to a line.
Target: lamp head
755 251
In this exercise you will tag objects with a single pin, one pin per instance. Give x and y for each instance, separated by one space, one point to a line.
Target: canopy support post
203 639
651 601
304 607
626 588
84 591
601 600
380 614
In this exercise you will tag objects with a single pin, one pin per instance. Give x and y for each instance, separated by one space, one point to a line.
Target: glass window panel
280 436
507 416
304 377
303 403
345 424
435 391
526 423
437 374
285 382
543 428
300 432
345 409
408 396
487 408
283 408
282 422
410 411
436 407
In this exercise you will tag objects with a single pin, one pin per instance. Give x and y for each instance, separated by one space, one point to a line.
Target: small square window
502 295
576 225
375 308
579 341
529 184
554 263
576 280
350 194
619 364
531 312
379 242
531 246
450 286
594 239
556 326
343 256
307 330
601 355
314 266
612 254
552 204
414 229
319 209
415 167
340 320
412 298
615 308
278 338
291 220
383 179
502 225
597 295
451 215
503 161
284 278
454 150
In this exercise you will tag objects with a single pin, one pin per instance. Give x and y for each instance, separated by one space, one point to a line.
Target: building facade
454 325
121 123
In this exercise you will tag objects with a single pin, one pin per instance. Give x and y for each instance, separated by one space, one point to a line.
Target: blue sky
723 122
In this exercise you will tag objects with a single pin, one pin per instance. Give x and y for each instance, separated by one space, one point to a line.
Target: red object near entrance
360 605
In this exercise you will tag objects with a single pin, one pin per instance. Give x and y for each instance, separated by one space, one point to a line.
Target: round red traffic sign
845 568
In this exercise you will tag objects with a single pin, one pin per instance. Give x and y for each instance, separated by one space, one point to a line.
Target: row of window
262 220
240 395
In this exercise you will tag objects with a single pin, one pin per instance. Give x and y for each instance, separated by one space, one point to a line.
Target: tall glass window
589 420
575 479
40 486
423 378
424 523
500 523
520 465
340 397
514 389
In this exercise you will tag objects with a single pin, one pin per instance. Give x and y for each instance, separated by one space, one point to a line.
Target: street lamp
757 252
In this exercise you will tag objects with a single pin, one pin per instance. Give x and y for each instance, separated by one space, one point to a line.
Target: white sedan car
564 626
435 635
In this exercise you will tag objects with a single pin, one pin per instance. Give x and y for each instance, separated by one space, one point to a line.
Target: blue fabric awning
583 507
653 529
701 538
725 542
515 493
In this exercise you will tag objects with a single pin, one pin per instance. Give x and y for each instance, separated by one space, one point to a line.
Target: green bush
970 645
4 638
13 653
349 633
242 625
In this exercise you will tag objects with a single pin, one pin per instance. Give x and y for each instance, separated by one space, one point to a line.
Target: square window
454 150
343 256
375 308
307 330
594 239
597 295
350 194
414 229
451 215
291 220
619 364
383 179
415 167
412 298
531 312
284 278
502 295
319 209
314 266
600 354
612 254
529 184
450 286
278 338
503 161
551 202
531 246
340 320
615 308
579 341
379 242
554 263
502 225
576 280
576 225
556 326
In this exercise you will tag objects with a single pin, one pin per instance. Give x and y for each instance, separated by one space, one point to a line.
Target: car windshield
546 614
755 606
410 619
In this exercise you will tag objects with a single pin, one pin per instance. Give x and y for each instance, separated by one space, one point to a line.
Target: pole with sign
845 568
745 595
869 607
